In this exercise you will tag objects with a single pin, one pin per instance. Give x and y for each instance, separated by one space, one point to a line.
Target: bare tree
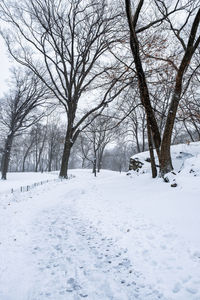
41 146
85 147
94 139
70 40
188 49
19 109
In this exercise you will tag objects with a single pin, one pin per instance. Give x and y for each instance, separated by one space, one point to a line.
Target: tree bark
100 158
152 157
6 156
66 154
165 155
50 159
94 171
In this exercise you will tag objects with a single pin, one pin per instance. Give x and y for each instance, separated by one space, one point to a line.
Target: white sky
5 64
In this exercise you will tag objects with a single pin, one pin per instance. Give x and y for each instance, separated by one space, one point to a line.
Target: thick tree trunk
66 155
6 156
165 155
165 158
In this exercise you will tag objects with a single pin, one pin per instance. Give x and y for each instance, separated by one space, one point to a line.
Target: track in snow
74 261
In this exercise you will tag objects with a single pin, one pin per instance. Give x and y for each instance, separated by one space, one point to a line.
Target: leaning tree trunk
6 156
142 83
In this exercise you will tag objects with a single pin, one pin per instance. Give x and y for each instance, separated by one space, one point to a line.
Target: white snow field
113 237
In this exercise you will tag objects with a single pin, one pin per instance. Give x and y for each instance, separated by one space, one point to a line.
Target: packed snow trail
78 262
54 254
94 238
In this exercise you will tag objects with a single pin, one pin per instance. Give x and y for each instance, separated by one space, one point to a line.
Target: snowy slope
112 237
179 153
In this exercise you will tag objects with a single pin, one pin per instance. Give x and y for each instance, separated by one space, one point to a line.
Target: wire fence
27 188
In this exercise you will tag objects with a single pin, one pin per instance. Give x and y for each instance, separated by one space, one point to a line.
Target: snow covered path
87 238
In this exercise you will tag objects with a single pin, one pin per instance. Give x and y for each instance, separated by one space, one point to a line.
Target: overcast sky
4 68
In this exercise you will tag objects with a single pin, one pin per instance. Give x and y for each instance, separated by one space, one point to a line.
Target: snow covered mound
192 166
185 159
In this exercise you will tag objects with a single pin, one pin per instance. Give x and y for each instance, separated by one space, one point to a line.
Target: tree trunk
165 155
50 159
94 171
83 163
50 165
142 84
66 155
6 156
23 164
100 158
153 164
26 155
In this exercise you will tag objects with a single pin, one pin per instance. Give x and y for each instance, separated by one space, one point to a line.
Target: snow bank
185 159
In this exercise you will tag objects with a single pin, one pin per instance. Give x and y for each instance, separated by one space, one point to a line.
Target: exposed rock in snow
185 158
135 164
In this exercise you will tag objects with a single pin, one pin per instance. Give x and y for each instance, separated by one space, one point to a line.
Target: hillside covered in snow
111 237
185 160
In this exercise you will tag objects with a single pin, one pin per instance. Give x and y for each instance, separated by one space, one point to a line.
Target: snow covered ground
16 180
113 237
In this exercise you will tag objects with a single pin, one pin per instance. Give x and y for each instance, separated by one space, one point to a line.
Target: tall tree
18 109
192 12
98 135
69 39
